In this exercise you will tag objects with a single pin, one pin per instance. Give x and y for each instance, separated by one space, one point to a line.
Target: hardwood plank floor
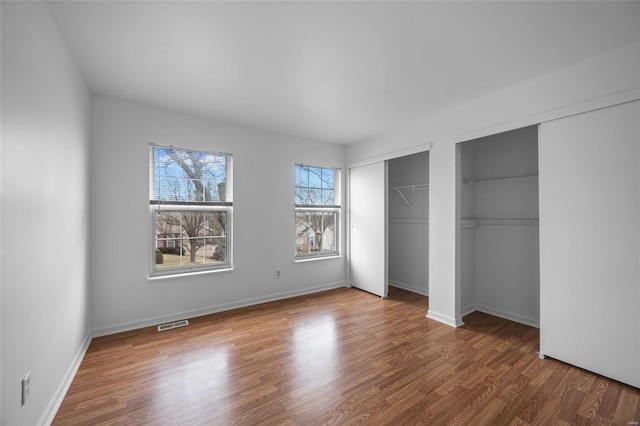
338 357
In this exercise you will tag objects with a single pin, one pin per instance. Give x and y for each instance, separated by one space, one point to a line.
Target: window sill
159 277
312 259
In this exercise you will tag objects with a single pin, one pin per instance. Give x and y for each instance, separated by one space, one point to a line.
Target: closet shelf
518 175
474 222
409 221
399 190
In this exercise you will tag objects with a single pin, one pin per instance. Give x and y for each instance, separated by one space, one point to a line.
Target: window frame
156 206
335 209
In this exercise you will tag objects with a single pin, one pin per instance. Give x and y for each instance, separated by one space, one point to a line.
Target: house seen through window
190 199
317 210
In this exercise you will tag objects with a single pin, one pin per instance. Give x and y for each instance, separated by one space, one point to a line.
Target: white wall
0 224
123 296
45 213
468 226
408 243
603 80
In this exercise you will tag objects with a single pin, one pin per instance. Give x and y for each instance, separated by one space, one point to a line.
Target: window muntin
190 197
317 211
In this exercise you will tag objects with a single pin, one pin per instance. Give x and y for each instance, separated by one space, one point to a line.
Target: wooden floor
337 357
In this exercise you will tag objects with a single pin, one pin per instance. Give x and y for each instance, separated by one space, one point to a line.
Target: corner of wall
445 319
56 401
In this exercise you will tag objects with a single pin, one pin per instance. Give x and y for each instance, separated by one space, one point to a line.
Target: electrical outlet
277 273
26 388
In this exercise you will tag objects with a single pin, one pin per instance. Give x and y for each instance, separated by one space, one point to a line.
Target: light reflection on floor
315 354
203 375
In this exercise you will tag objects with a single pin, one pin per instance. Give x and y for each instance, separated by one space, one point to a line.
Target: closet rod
519 175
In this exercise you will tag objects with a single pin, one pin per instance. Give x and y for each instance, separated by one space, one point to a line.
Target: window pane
315 186
302 175
315 177
315 232
315 197
215 232
328 178
185 175
216 250
302 196
329 243
328 197
190 238
303 230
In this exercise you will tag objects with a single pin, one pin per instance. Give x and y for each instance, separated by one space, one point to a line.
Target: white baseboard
409 287
445 319
56 401
532 322
468 309
148 322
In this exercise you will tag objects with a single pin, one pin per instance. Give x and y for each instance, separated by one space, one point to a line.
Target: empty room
301 212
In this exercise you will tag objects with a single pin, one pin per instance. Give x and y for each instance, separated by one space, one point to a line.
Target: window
190 199
317 209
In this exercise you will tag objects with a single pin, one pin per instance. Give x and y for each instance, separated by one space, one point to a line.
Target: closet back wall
504 266
409 223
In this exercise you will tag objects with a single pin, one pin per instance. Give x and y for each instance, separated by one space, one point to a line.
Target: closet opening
499 255
408 222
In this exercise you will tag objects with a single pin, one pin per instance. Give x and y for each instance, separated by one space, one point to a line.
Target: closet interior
499 237
408 222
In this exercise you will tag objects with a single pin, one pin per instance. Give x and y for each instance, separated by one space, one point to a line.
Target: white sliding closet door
590 241
368 227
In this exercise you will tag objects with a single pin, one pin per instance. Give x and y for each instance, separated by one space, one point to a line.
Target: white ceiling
331 71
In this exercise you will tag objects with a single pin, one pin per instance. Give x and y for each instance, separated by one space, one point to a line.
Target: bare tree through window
187 184
316 210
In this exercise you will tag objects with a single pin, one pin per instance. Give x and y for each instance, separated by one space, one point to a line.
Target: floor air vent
175 324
